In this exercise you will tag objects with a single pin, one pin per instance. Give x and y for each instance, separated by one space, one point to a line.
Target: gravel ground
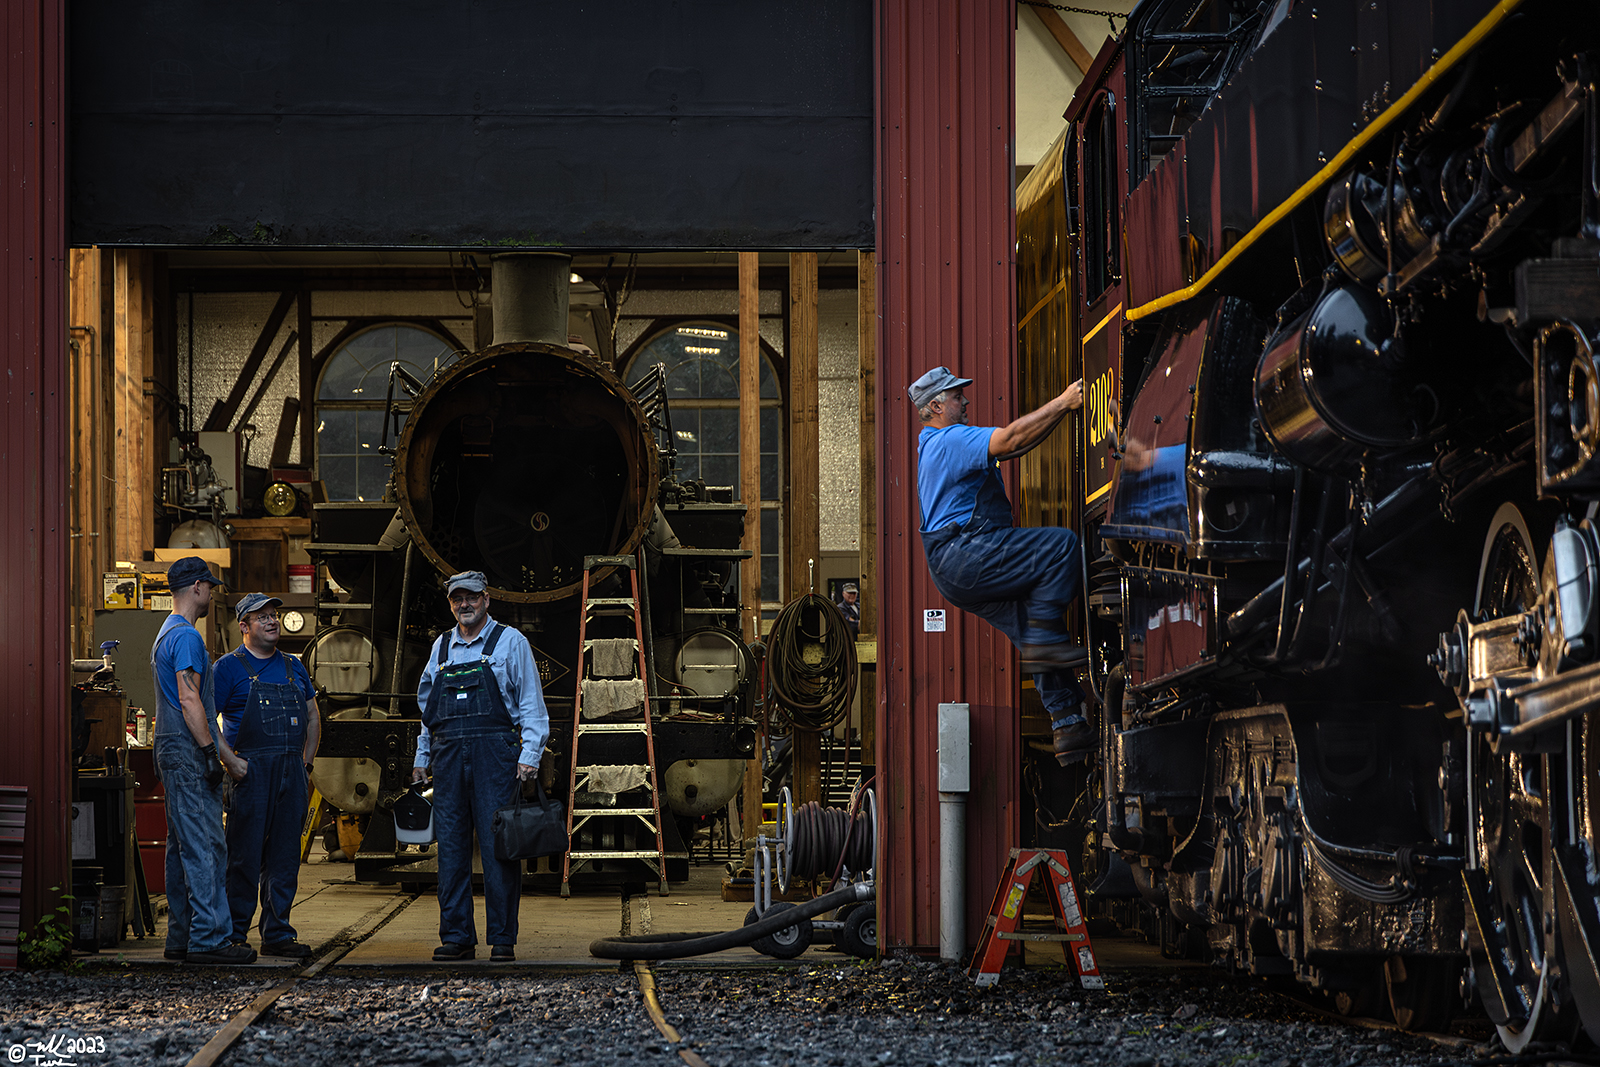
899 1012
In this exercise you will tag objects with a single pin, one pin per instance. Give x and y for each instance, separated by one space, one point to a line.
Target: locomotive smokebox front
523 458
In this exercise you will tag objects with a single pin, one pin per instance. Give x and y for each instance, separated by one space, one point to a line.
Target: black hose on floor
681 946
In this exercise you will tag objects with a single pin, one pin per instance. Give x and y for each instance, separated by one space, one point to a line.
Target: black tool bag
529 829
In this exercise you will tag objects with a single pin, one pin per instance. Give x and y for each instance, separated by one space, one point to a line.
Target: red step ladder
1005 916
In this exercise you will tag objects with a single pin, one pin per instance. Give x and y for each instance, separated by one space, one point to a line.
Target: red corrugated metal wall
33 469
946 290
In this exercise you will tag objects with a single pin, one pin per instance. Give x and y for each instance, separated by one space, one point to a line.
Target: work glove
214 774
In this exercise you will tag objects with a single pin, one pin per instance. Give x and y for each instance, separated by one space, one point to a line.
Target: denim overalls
1020 580
474 752
196 854
269 804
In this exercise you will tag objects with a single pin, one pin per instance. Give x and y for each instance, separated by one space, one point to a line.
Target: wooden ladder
1005 916
619 818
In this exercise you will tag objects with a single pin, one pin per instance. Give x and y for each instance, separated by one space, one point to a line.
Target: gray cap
932 384
254 602
850 587
471 581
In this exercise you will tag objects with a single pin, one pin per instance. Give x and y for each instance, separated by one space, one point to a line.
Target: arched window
350 400
702 361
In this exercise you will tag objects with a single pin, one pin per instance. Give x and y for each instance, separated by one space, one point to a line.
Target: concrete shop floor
554 933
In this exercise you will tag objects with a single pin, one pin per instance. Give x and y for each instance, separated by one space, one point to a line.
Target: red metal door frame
946 295
33 440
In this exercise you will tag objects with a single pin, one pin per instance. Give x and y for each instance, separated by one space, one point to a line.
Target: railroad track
337 947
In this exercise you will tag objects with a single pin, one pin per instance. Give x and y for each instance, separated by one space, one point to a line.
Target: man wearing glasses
484 728
270 718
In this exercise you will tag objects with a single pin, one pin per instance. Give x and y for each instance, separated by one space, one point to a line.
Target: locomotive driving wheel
1510 819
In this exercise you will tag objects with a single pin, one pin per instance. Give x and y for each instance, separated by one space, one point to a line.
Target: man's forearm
1020 436
194 708
313 730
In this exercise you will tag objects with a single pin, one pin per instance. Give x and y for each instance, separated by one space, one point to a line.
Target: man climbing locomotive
1021 580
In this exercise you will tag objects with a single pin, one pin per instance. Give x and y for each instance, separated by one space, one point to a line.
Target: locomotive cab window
702 365
1101 263
350 404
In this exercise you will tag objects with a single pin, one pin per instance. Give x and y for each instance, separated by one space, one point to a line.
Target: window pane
339 477
771 552
720 431
771 426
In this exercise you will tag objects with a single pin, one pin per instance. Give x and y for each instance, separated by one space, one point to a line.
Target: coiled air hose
827 839
680 946
814 692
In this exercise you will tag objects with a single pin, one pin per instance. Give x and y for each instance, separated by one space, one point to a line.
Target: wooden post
867 319
84 466
130 353
804 483
750 492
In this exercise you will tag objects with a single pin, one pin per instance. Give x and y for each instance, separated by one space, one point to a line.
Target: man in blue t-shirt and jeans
1020 579
270 718
191 759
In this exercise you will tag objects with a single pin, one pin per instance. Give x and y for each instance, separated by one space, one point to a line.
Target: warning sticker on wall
933 621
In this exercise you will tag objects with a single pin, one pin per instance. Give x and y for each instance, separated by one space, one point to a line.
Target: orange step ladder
1005 916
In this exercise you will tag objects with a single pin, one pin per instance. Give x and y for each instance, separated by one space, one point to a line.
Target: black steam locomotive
1331 275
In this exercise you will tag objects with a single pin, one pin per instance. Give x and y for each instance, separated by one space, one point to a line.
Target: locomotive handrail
1334 166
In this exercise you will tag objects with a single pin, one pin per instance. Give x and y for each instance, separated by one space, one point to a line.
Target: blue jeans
196 854
1021 580
473 777
264 825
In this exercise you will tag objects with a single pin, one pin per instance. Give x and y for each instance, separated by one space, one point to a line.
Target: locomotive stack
1331 275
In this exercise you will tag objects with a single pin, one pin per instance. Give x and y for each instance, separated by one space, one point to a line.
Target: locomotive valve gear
484 728
1020 580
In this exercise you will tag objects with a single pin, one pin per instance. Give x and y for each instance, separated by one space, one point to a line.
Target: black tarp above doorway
635 124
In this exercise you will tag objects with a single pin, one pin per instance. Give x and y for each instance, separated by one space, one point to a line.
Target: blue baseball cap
187 571
253 602
471 581
932 384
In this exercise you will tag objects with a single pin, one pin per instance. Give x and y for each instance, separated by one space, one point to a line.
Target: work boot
452 951
1074 742
291 948
1062 656
225 956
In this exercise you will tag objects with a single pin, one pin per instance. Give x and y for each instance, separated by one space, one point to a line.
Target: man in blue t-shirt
190 761
270 718
1020 579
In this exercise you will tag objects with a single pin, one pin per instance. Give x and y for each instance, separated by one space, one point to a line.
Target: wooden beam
750 493
272 373
803 520
867 341
750 440
221 417
1070 44
308 382
85 469
135 527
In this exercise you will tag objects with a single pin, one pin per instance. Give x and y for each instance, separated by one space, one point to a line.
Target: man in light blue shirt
484 728
1021 580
